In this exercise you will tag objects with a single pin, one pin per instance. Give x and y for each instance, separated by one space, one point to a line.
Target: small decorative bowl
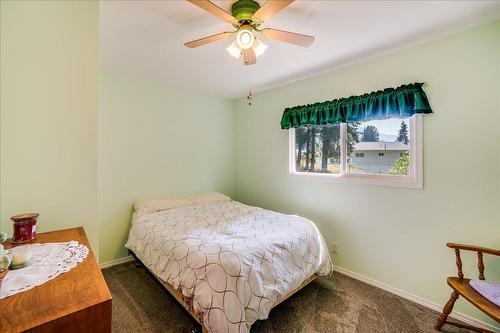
20 256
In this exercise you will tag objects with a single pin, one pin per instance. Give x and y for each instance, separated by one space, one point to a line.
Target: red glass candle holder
24 227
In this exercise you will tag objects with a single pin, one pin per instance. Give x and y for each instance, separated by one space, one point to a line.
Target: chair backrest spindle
480 265
459 264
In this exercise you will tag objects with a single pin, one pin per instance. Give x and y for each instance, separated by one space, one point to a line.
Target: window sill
366 179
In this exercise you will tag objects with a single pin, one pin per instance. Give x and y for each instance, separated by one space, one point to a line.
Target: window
381 152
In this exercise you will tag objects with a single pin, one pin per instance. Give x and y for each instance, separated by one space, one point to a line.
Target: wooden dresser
76 301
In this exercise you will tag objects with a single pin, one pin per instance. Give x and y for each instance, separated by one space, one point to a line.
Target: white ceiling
145 39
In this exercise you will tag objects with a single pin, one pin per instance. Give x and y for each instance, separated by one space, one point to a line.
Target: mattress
232 261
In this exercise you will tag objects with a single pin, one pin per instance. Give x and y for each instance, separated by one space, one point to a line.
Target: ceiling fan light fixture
234 50
259 47
245 37
246 17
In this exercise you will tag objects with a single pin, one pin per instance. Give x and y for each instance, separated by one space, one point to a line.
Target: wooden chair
461 287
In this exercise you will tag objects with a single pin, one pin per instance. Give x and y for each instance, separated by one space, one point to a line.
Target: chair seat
463 288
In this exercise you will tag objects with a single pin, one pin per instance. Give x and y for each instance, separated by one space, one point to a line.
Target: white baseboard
112 263
414 298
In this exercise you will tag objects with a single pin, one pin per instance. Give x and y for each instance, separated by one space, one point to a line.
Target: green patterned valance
404 101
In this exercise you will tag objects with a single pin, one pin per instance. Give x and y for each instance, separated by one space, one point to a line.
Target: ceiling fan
246 17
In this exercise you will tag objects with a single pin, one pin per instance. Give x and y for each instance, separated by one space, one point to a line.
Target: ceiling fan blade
288 37
214 10
209 39
249 57
270 8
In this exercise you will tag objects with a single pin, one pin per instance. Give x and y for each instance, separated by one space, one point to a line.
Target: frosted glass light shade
234 50
259 47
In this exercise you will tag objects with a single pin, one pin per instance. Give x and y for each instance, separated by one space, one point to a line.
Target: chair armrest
473 248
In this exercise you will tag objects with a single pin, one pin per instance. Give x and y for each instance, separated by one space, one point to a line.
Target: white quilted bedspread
232 260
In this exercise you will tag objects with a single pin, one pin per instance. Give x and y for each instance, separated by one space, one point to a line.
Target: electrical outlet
334 247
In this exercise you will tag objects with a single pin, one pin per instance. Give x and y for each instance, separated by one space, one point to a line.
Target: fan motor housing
243 10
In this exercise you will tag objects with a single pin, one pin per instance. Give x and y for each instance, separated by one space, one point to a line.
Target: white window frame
413 180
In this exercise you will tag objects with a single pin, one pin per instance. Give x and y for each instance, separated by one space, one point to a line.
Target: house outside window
377 157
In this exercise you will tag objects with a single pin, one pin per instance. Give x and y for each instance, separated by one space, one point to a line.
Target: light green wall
395 235
157 141
80 163
49 104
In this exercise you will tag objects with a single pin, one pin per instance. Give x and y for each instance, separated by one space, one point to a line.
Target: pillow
209 197
155 205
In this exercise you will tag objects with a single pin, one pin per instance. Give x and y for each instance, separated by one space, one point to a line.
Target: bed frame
187 302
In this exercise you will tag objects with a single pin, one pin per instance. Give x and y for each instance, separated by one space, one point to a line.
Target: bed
226 262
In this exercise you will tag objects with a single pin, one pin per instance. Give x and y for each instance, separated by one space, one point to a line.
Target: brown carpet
335 304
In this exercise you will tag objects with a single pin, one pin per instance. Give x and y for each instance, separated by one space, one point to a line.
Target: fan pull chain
249 95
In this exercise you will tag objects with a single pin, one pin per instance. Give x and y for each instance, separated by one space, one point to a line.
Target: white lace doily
49 261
